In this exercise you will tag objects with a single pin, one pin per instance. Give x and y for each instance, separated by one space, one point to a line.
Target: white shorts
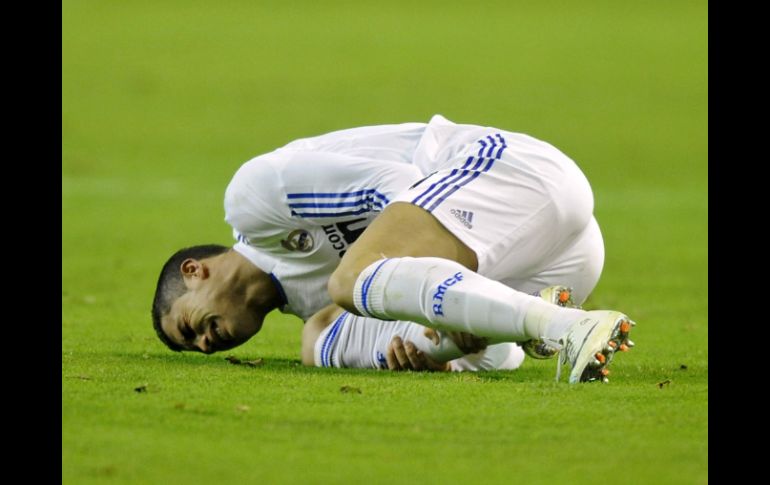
361 343
523 206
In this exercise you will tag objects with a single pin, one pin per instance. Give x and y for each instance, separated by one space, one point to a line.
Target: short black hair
171 285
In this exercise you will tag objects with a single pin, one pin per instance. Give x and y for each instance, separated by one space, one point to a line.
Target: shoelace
562 359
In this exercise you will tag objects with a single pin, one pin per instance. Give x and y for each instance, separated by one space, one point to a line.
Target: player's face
213 316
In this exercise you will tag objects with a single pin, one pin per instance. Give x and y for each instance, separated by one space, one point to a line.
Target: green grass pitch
162 101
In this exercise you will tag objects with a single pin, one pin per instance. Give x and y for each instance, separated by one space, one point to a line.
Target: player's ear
193 271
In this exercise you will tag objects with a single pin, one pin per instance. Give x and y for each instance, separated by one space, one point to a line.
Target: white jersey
300 207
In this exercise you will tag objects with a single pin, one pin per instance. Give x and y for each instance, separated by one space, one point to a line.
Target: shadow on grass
200 360
294 366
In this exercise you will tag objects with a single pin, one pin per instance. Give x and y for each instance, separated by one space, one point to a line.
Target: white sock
359 342
445 295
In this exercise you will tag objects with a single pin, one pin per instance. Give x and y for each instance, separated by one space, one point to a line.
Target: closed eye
187 332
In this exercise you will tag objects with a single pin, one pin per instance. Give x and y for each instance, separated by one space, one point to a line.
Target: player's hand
466 342
405 356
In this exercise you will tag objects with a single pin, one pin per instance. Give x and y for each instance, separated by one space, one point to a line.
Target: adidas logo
466 217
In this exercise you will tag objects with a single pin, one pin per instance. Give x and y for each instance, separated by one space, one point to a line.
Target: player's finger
398 349
432 335
474 344
415 357
437 366
468 343
421 361
390 358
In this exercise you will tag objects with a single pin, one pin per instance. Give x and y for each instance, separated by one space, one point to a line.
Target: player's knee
340 287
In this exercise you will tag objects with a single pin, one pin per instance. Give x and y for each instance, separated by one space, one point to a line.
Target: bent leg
418 260
402 229
525 210
407 266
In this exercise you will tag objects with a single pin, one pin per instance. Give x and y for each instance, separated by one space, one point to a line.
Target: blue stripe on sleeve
329 214
366 200
328 195
302 205
381 197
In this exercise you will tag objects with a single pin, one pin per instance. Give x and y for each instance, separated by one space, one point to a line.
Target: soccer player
470 221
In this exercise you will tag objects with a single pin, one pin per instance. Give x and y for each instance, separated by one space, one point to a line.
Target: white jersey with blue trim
301 206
